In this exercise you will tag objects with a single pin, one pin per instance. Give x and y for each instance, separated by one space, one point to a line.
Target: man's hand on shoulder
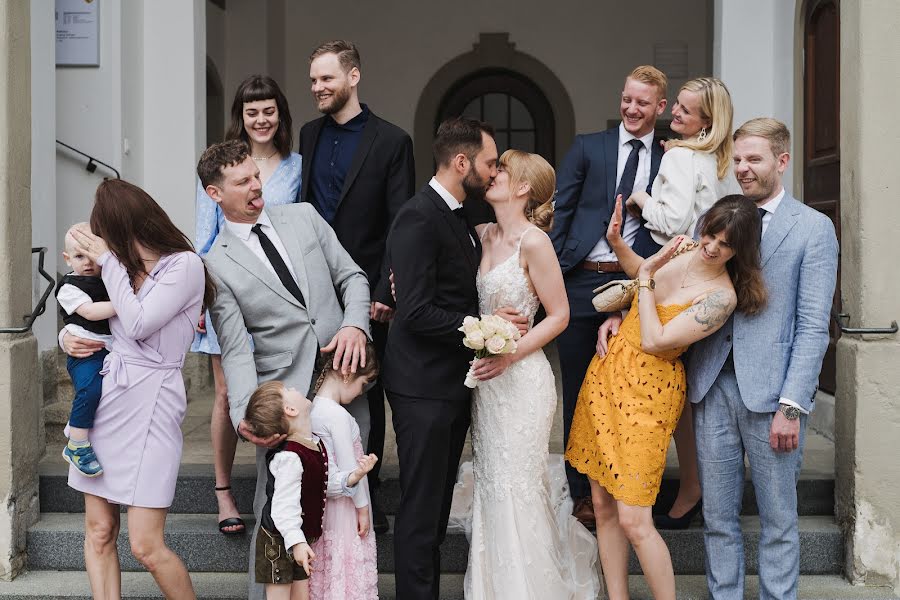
349 347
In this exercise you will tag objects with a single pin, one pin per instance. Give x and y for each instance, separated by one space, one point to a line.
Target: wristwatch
791 413
650 284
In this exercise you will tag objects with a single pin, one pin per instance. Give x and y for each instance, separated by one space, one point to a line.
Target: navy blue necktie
762 214
626 183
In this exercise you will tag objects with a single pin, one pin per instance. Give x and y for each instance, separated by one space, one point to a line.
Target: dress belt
602 267
114 363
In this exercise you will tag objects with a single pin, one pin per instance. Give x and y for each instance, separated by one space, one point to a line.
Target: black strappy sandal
230 521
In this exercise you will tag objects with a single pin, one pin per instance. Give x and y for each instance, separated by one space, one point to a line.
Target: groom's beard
474 187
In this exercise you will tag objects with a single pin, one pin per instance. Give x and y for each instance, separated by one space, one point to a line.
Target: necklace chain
258 158
687 270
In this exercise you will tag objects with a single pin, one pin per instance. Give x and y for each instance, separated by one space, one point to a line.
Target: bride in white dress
522 545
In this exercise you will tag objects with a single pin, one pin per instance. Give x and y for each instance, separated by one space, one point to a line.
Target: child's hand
303 556
367 463
362 521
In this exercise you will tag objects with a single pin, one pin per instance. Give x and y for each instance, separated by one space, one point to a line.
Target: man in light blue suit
752 382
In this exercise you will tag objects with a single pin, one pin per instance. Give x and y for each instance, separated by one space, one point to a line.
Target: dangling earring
702 137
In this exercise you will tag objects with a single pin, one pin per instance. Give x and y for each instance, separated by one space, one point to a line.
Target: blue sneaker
82 457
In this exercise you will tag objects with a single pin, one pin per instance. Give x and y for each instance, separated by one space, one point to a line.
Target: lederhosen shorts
274 564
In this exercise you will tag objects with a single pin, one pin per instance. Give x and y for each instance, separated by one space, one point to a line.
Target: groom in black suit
597 168
358 171
434 255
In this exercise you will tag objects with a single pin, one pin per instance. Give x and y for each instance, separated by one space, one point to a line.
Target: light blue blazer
778 353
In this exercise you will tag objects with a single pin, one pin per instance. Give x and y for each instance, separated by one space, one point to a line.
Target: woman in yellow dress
634 390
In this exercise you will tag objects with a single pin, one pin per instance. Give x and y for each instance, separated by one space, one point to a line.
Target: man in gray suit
282 276
753 382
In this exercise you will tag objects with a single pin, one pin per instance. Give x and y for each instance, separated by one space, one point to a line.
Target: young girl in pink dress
345 565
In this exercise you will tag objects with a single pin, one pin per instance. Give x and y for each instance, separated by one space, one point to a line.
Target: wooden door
821 143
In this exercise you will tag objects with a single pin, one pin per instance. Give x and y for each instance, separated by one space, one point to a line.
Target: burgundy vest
313 484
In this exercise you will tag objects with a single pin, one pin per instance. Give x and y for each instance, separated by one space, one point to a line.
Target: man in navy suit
597 168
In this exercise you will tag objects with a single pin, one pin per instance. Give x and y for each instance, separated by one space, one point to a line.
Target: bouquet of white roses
486 336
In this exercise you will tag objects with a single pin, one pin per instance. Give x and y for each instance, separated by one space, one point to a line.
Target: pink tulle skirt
346 565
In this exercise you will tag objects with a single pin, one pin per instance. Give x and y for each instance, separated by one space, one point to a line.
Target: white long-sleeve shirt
287 468
686 186
338 430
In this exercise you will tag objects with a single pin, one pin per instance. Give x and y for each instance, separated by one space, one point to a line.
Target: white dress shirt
452 202
244 233
71 298
770 207
602 252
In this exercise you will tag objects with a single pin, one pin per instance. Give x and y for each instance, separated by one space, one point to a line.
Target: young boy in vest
296 488
85 309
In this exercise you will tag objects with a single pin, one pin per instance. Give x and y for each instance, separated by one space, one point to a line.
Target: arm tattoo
713 310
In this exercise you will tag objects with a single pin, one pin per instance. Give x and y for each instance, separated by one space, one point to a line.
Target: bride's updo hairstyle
524 167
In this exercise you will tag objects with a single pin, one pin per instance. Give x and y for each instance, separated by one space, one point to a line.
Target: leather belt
602 267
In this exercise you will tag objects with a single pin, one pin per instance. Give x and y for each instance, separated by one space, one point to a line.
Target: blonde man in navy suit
753 382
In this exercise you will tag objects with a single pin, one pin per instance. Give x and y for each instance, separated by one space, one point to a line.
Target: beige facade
143 111
21 437
868 412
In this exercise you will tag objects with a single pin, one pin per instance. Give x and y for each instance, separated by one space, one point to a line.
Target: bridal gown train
522 545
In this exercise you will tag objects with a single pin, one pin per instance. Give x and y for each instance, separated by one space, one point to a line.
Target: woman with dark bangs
261 118
634 390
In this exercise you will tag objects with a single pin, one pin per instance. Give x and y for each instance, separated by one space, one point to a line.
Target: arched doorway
494 62
514 105
520 113
821 140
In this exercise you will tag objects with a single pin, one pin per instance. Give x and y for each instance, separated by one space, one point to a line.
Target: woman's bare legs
101 529
651 550
689 478
612 543
224 442
145 530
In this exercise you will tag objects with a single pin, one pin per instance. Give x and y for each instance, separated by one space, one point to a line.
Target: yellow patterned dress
627 408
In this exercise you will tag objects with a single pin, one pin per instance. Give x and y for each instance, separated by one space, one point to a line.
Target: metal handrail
42 303
840 318
91 166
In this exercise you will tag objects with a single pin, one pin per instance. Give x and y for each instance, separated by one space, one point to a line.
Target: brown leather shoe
583 510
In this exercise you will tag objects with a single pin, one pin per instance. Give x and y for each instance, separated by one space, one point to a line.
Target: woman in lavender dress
156 284
261 118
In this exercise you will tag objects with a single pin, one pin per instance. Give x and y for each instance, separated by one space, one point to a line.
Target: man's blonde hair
651 76
772 129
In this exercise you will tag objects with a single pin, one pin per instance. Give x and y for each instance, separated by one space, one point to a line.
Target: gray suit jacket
778 353
286 335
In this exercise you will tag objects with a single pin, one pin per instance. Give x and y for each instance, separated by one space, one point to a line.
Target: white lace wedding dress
523 545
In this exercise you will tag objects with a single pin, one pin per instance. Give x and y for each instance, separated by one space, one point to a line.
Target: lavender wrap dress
137 429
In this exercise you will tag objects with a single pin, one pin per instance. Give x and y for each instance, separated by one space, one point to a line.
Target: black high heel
682 522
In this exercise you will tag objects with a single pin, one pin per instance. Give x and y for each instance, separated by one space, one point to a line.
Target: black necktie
626 183
277 263
762 214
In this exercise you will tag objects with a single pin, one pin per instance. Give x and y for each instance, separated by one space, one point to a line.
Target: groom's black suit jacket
435 262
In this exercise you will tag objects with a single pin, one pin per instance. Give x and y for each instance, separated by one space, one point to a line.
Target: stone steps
56 543
73 585
194 492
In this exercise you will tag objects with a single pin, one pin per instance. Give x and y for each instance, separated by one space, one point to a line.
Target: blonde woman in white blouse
692 177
